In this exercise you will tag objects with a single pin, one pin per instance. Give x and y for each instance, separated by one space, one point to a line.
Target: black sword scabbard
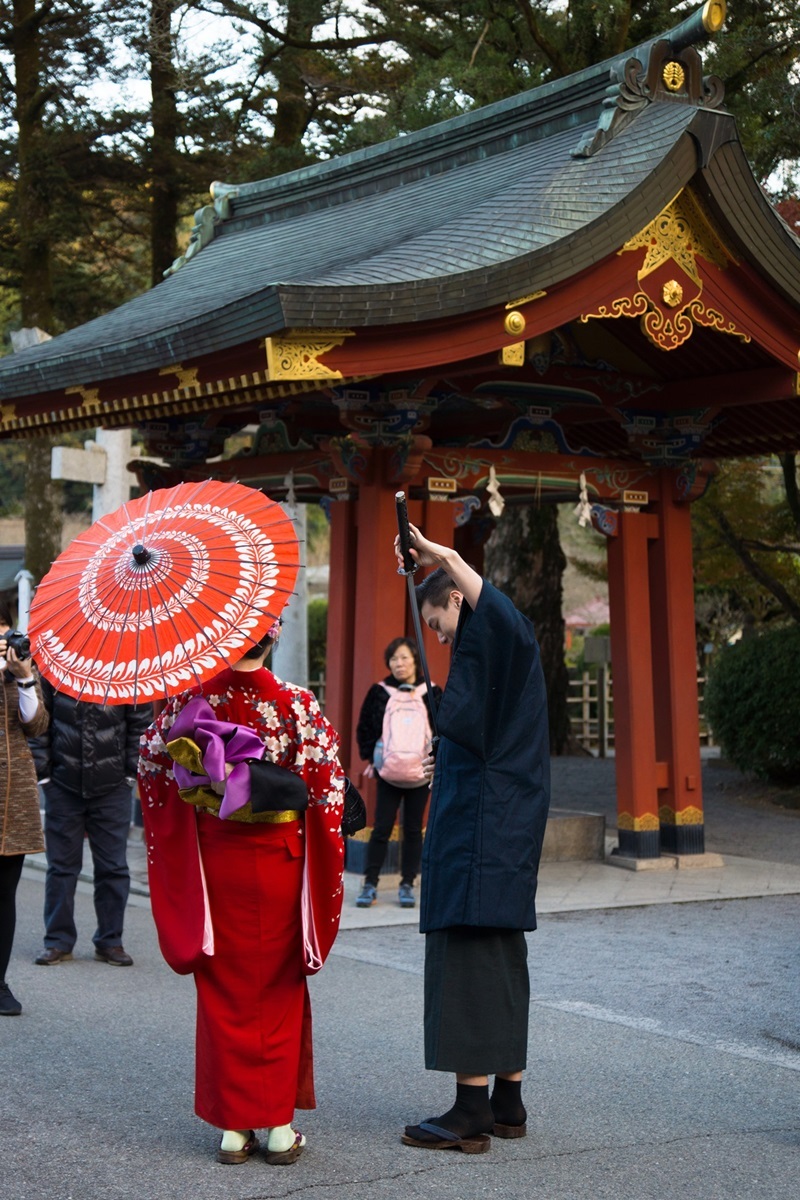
408 569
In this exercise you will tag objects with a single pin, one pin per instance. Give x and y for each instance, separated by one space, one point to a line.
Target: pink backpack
406 736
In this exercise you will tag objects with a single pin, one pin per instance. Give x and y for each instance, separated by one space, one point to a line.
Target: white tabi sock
234 1139
281 1138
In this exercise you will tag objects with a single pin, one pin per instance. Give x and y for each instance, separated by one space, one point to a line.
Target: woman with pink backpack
394 735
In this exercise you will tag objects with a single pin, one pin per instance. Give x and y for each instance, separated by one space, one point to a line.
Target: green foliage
318 533
756 56
317 636
746 547
752 703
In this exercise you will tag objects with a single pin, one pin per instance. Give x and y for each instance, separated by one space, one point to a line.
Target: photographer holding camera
24 715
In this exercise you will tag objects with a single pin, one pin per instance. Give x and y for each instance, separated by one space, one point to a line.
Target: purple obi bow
219 742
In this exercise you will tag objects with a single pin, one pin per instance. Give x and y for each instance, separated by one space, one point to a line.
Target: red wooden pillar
436 519
634 715
379 595
675 676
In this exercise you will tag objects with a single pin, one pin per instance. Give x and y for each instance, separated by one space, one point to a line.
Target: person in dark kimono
489 802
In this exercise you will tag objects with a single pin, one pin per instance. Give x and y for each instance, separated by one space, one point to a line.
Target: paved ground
664 1061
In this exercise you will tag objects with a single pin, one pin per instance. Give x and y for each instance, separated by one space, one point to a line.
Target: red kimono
249 909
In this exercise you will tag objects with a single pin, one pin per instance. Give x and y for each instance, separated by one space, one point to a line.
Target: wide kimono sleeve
177 888
494 655
316 760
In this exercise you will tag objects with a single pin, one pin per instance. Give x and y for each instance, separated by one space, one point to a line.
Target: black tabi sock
507 1103
471 1113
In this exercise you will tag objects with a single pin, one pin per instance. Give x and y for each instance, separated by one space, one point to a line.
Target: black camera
20 643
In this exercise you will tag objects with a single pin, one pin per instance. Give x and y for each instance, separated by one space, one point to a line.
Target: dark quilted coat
89 748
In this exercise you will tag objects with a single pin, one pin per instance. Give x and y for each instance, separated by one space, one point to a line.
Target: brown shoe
52 955
114 955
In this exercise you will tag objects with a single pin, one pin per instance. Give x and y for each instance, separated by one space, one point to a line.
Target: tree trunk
43 507
293 103
524 559
165 161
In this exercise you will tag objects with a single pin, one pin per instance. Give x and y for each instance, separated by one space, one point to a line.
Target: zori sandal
232 1157
277 1157
509 1131
428 1136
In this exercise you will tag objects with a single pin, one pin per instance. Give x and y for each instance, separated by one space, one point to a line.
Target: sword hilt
409 566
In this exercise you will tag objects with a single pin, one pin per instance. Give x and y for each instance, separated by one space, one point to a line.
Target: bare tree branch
754 568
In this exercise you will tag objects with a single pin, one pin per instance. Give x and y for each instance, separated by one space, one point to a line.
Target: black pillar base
683 839
644 843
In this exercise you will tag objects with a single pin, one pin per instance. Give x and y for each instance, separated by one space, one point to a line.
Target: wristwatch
26 683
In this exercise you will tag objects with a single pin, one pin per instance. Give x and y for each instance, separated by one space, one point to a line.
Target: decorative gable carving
668 76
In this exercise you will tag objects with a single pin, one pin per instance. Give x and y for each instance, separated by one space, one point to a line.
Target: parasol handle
409 566
141 556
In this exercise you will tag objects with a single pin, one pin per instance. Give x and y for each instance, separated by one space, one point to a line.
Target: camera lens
20 643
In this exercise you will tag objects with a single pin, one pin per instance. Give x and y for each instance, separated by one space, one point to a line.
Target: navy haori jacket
491 787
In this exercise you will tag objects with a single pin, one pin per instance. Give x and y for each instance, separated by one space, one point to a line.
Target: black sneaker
9 1005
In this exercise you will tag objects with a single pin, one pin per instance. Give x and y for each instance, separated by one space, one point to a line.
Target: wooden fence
591 705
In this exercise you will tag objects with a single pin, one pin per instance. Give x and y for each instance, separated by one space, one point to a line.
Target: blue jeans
106 820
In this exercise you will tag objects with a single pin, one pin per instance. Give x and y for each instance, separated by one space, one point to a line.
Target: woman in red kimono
249 904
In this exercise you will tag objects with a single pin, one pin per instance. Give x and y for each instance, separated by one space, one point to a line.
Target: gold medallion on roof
514 323
674 76
672 293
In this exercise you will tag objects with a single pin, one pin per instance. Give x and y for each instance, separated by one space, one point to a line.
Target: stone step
572 836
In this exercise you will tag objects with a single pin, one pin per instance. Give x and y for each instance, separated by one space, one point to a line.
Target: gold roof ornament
714 13
674 76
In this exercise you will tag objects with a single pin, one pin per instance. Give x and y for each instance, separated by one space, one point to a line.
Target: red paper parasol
161 594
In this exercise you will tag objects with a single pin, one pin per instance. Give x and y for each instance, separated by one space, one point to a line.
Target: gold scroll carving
186 376
90 397
296 353
668 299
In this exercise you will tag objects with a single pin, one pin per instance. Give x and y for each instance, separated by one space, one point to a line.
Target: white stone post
24 581
116 487
290 657
102 463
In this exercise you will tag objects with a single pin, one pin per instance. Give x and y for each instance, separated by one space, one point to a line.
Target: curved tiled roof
487 206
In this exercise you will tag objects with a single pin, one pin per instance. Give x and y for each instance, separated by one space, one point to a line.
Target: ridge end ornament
295 354
669 70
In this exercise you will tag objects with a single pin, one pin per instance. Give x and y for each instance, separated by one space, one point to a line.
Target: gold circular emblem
714 12
672 293
673 76
514 323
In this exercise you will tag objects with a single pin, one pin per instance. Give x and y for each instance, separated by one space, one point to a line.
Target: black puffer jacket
89 748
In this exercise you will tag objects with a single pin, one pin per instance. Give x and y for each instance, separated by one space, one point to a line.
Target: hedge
752 703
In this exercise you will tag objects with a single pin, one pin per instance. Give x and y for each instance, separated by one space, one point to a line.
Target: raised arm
431 554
